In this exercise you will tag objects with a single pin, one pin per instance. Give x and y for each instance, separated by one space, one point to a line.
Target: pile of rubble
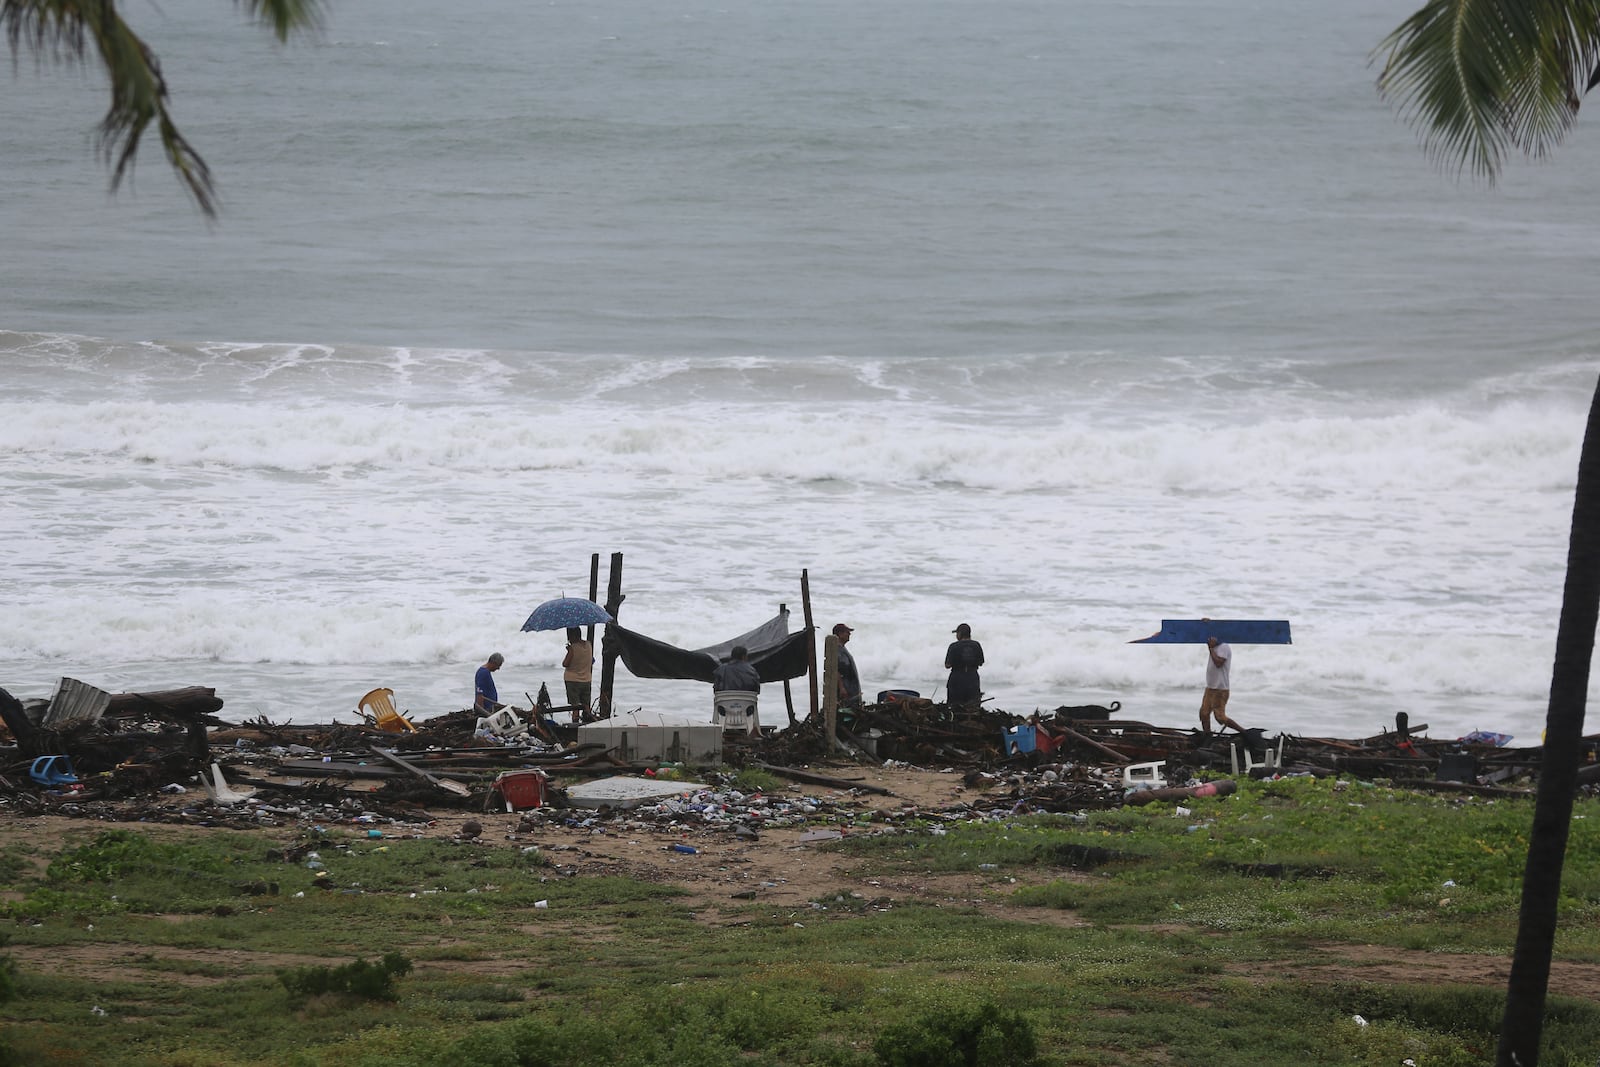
86 752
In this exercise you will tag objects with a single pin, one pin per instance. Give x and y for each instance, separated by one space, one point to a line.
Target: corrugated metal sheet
75 702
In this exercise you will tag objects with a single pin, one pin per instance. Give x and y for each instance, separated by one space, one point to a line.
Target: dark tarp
785 656
770 633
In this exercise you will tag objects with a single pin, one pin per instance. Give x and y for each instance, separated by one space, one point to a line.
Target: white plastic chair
735 709
502 723
1144 775
1271 759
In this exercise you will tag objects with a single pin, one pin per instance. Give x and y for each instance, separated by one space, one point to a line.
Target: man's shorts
1214 700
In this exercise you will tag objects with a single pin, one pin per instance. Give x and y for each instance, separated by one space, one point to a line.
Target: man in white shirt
1219 657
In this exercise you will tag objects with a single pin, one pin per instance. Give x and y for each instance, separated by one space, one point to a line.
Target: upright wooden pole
811 642
788 697
594 590
609 653
830 689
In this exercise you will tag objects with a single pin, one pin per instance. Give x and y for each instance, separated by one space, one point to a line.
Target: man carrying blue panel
1216 633
1219 657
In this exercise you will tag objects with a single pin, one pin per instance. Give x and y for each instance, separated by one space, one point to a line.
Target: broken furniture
52 770
1144 775
1244 760
378 706
503 723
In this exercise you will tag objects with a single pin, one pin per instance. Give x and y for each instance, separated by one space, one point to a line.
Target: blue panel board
1233 631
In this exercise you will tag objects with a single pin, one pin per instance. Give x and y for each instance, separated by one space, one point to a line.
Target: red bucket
521 789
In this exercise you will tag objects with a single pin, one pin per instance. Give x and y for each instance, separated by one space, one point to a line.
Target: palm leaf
1484 78
286 16
67 29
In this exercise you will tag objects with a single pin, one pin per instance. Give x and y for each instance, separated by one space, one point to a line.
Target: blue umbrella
566 612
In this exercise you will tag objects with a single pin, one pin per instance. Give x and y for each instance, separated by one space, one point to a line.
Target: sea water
1055 319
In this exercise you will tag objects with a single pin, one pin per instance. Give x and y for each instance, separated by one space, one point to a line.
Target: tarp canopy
775 653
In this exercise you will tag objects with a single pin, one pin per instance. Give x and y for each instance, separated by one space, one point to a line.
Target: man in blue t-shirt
485 698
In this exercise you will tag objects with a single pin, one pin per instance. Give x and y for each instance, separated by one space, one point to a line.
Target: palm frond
1484 78
286 16
138 98
68 29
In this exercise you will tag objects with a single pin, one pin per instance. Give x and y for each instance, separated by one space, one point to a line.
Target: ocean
1058 319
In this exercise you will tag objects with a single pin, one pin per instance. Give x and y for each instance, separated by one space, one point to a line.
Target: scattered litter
821 835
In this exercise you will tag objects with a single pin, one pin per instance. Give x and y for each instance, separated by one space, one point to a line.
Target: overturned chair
503 723
735 709
1246 758
377 707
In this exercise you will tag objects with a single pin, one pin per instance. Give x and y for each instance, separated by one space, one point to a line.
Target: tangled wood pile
84 744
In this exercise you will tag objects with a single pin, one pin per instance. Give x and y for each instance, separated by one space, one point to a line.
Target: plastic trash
686 849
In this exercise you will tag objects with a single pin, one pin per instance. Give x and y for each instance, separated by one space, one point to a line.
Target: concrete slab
624 791
670 744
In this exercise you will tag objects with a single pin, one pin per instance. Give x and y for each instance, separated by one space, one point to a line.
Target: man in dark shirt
962 659
849 680
736 675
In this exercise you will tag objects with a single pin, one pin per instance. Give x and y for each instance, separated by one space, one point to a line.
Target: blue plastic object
52 770
1020 739
1232 631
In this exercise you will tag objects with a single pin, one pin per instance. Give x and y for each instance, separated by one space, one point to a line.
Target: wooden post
830 689
811 643
594 590
608 655
788 697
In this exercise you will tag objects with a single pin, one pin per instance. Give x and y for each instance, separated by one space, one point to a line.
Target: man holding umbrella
571 613
577 672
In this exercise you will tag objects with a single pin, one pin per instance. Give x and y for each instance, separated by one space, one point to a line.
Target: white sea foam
325 544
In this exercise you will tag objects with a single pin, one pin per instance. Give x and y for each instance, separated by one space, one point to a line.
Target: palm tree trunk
1558 769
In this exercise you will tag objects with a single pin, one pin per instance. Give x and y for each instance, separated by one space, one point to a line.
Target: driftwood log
184 705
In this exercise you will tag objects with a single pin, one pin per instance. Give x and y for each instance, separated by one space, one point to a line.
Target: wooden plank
1110 753
440 783
821 779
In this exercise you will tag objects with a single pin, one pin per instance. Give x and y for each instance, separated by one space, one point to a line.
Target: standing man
1219 657
485 698
962 659
849 680
578 672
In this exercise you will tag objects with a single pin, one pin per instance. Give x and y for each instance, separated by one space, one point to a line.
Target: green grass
1298 857
1193 938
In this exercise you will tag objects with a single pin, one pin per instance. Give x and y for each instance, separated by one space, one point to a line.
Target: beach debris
167 756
